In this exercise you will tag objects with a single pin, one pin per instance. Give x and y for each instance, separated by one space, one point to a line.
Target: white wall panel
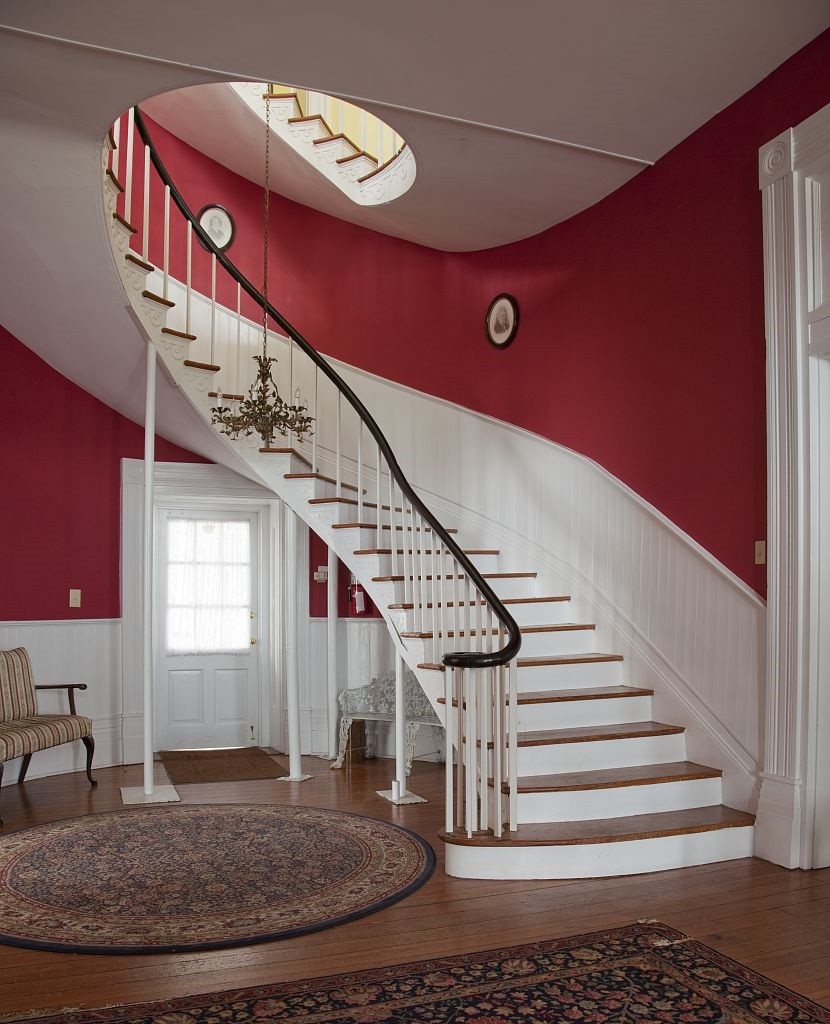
73 651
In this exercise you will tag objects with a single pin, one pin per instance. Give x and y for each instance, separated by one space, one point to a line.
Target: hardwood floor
773 920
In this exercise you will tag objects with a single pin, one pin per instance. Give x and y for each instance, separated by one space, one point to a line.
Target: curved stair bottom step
719 834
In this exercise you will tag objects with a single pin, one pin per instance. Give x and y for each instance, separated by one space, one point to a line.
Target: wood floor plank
773 920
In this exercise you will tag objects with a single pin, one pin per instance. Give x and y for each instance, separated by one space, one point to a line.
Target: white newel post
781 802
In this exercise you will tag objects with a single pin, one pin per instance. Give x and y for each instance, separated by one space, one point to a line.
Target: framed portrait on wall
218 223
502 320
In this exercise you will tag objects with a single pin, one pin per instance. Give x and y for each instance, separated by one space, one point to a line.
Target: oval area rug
200 877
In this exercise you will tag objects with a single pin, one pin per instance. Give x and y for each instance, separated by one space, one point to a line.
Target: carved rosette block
775 160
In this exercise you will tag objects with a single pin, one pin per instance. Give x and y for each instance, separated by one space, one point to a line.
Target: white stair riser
382 565
513 586
600 860
541 613
272 467
619 802
569 675
360 540
587 756
548 613
497 585
559 641
574 714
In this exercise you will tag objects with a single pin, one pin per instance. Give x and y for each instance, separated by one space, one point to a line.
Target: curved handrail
457 659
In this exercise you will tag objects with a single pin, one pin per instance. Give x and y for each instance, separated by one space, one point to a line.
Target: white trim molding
784 832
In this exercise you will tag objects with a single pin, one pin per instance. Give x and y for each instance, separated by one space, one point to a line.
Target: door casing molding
205 486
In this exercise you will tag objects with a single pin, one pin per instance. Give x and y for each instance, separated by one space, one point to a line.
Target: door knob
253 641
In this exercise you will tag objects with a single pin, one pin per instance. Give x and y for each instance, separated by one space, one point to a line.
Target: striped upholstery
17 690
28 735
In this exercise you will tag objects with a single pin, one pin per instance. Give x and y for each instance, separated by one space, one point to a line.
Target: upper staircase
559 769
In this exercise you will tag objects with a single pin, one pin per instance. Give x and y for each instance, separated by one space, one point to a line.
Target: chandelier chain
266 215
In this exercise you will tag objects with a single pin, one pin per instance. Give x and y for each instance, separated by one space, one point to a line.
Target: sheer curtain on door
208 586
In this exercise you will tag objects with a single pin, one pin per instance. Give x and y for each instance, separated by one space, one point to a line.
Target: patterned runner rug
157 879
645 973
236 764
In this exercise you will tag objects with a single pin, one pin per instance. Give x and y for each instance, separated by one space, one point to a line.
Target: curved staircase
558 744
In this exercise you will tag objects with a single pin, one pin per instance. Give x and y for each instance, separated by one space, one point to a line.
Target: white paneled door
207 679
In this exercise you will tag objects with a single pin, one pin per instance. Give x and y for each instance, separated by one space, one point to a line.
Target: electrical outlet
74 599
760 552
321 576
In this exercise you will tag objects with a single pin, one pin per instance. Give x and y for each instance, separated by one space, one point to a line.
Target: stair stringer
195 384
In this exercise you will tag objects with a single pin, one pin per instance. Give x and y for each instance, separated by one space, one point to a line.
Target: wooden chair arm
70 689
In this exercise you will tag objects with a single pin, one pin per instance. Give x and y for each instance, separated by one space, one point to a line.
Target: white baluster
360 472
128 184
498 747
212 306
116 138
240 390
407 559
316 420
166 239
471 722
434 589
145 232
393 542
189 287
337 457
513 748
449 781
378 488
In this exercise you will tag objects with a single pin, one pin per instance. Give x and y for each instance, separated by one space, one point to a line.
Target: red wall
641 341
60 512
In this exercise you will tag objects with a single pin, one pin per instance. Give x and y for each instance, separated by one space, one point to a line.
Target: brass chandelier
263 410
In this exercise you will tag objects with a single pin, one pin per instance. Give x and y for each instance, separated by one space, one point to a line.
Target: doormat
211 876
234 764
640 974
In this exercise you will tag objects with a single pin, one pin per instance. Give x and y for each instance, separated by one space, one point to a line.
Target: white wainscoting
685 623
73 651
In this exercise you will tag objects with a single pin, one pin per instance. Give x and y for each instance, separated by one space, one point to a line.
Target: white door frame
206 486
797 662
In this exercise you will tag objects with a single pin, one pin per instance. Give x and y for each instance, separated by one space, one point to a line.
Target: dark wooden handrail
458 659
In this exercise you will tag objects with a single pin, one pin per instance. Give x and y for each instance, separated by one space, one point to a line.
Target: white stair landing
612 846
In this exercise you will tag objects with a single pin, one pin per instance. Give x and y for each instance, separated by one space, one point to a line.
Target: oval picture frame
502 320
219 225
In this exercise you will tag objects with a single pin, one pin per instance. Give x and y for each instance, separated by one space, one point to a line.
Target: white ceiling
495 99
460 79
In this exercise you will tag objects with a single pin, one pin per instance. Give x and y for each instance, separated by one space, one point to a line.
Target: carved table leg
345 725
411 734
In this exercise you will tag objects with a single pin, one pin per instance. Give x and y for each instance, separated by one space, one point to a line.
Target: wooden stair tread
356 156
158 298
616 778
614 830
417 551
131 257
319 476
562 696
554 628
124 223
567 659
114 179
351 501
313 117
597 733
385 526
463 604
227 396
484 575
178 334
202 366
591 693
286 451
